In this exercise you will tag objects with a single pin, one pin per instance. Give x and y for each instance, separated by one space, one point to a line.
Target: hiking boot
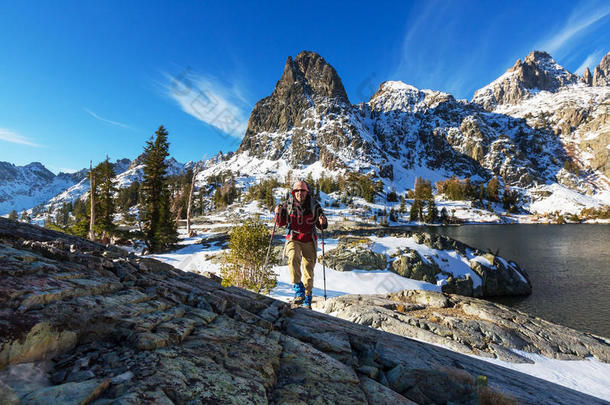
299 293
307 302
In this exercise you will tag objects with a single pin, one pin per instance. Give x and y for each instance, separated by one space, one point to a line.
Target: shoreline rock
467 325
490 275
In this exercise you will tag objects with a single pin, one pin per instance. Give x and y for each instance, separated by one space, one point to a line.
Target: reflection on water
569 266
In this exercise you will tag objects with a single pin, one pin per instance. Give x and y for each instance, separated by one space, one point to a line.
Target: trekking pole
323 265
270 240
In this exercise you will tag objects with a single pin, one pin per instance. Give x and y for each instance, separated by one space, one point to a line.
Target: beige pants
305 251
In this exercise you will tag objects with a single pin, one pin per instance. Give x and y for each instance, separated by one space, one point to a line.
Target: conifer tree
159 228
432 213
493 188
104 199
402 208
444 217
25 217
416 209
244 263
12 215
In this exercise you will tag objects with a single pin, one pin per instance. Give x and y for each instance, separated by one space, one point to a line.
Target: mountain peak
537 72
309 85
601 73
538 56
313 75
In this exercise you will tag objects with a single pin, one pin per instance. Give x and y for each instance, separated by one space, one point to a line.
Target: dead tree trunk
91 196
190 203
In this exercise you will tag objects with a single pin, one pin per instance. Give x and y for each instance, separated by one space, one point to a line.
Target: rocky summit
537 72
85 323
288 123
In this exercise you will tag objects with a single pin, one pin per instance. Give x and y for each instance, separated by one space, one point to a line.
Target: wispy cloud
427 62
107 121
221 105
13 137
590 61
585 16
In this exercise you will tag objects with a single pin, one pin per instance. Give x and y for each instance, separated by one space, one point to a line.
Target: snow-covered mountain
523 127
126 172
22 187
528 127
538 72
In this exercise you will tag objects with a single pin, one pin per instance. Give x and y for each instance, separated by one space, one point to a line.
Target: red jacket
302 220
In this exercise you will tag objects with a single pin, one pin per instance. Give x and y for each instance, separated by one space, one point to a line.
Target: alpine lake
568 265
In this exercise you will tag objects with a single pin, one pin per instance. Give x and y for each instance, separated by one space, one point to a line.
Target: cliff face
537 72
85 323
308 89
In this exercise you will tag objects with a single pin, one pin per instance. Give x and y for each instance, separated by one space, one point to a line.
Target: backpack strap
313 207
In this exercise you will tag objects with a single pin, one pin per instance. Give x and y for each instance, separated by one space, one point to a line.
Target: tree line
161 199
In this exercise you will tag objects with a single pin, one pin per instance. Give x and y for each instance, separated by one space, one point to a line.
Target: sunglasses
300 191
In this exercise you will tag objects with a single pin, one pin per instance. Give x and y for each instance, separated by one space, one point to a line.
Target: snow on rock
22 187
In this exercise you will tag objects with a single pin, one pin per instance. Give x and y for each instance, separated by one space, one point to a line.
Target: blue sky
80 80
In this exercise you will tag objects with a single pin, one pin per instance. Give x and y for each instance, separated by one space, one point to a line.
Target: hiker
301 214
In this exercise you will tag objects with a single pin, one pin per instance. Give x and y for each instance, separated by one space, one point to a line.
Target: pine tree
159 228
444 217
402 208
63 215
12 215
25 217
416 209
493 187
91 202
104 200
423 188
432 213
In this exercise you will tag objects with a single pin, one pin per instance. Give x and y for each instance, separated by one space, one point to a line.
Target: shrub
510 200
602 212
571 166
457 190
243 265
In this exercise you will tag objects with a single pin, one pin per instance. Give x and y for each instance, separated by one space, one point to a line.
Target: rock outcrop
468 325
354 253
484 275
290 123
537 72
84 323
601 73
587 78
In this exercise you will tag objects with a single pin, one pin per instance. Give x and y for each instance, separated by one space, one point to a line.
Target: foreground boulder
84 323
467 325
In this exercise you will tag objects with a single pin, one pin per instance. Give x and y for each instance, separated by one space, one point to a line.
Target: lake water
568 265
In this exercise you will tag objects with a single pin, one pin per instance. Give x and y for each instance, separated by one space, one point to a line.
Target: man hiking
301 214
